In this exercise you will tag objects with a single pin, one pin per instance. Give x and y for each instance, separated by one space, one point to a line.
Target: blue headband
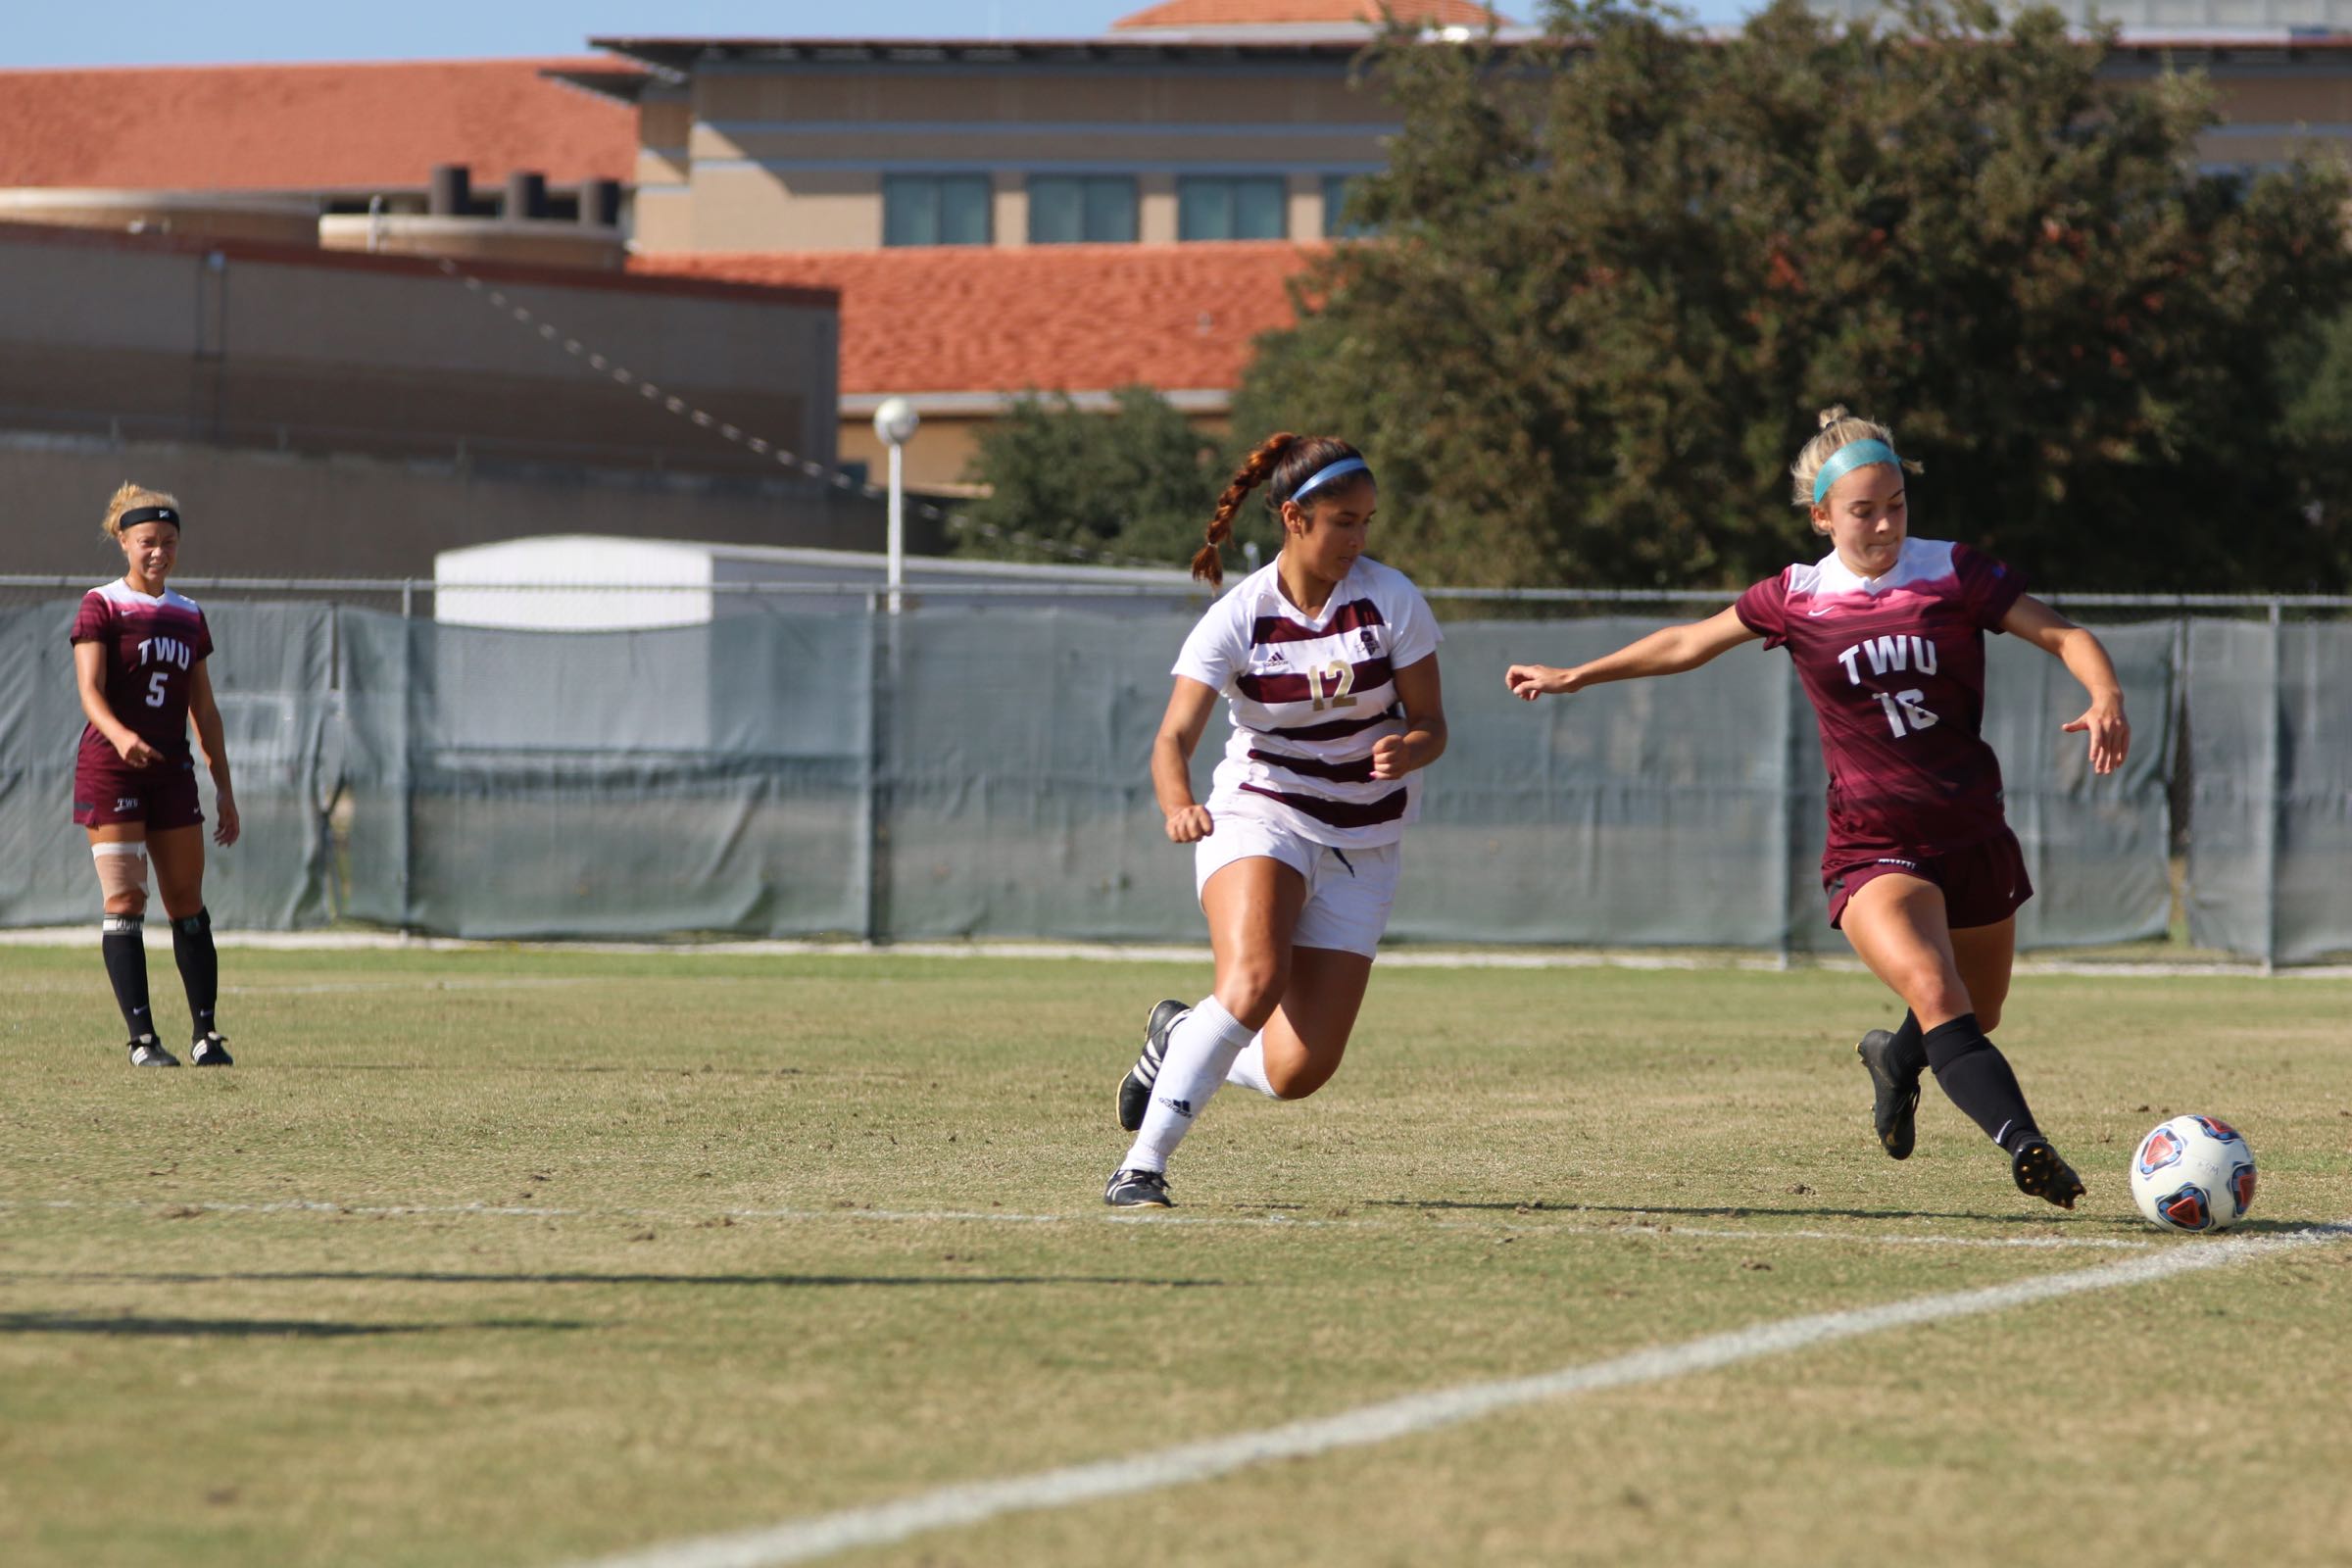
1846 459
1335 471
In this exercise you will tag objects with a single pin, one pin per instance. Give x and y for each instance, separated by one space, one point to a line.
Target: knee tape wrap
122 868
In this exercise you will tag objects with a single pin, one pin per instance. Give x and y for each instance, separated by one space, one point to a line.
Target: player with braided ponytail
1328 662
1208 564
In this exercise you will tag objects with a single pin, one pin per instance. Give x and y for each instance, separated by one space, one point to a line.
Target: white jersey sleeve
1417 633
1216 649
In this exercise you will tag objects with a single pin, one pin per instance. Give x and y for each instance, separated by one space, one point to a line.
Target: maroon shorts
1982 884
162 796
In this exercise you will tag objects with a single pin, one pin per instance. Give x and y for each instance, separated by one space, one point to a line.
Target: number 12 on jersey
1332 685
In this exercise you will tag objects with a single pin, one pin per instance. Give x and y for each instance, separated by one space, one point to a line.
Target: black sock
1909 1053
1975 1075
122 938
199 967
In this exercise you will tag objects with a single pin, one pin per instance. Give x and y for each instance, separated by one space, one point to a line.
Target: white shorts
1348 892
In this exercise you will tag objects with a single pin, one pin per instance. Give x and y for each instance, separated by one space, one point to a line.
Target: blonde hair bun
131 496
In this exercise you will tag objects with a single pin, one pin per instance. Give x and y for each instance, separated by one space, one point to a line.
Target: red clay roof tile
307 127
1046 317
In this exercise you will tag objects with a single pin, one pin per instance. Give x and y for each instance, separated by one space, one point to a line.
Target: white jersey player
1328 661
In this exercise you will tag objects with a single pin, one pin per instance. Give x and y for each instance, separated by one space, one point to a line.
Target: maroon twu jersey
153 646
1894 666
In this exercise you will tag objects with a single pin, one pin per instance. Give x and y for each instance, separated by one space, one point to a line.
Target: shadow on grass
2289 1227
2042 1217
238 1327
537 1069
436 1277
2106 1222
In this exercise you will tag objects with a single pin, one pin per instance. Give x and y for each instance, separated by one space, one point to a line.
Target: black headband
138 515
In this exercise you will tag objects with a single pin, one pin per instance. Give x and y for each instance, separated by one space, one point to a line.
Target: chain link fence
804 763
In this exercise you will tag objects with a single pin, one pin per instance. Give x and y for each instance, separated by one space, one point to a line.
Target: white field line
1534 1222
1151 953
947 1507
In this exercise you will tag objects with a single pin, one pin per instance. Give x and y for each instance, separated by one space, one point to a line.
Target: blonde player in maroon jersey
1923 874
1328 662
139 653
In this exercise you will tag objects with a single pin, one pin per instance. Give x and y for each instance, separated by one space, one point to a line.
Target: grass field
532 1257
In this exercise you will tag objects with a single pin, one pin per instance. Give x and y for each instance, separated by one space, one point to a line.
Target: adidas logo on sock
1182 1108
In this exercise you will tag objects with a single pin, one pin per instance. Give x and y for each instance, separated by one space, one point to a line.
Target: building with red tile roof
309 129
966 331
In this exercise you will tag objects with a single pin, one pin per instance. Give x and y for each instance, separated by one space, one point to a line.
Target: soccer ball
2193 1173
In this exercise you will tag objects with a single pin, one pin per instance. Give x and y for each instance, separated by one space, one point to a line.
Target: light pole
894 422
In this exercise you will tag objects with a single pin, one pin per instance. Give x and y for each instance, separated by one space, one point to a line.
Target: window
1231 207
1066 209
936 210
1336 188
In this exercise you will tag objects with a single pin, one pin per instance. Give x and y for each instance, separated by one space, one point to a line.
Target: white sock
1250 1068
1200 1049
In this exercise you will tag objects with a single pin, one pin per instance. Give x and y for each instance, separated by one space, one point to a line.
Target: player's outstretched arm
1180 729
1666 651
2086 659
1424 739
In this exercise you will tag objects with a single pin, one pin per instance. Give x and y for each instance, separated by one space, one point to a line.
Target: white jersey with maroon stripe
1310 696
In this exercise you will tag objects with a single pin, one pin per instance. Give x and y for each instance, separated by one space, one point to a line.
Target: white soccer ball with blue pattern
2193 1173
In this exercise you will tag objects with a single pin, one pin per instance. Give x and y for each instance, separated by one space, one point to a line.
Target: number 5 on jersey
155 690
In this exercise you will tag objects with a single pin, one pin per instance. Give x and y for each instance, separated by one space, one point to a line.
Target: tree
2317 377
1136 485
1621 269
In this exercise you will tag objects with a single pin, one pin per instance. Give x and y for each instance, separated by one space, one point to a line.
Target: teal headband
1846 459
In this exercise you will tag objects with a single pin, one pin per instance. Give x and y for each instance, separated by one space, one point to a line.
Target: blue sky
148 32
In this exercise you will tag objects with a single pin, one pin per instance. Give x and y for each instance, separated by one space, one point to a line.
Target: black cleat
1137 1189
1894 1091
211 1051
2040 1173
1135 1090
149 1052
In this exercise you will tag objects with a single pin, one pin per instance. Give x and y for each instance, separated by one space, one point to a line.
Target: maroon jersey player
1923 874
139 653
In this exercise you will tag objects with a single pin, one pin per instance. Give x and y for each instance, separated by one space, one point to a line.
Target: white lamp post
894 422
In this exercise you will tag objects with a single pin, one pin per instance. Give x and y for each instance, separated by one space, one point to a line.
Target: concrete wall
940 457
322 351
268 514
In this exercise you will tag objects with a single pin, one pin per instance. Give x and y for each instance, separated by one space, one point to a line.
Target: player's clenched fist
1531 681
1191 825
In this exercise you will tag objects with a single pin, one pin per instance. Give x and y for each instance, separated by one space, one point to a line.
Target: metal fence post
1785 859
881 671
2271 795
408 759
